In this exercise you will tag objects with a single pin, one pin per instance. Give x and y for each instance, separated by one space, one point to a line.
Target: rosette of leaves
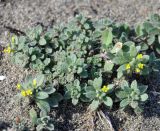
42 123
34 50
73 91
123 54
78 55
132 95
93 93
44 95
149 33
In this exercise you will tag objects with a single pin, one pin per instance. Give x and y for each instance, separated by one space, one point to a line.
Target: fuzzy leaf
33 116
144 97
108 66
97 83
134 104
139 30
42 41
94 105
74 101
54 99
41 95
49 90
107 37
134 85
121 94
108 101
43 105
124 103
40 79
90 94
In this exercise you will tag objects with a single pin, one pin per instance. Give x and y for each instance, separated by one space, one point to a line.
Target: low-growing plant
38 91
98 94
132 95
80 57
44 123
148 33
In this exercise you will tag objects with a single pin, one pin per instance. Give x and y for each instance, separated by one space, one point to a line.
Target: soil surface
18 15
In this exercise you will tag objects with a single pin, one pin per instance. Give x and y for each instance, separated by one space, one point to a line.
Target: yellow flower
23 93
137 70
29 92
18 86
139 56
128 66
140 65
105 89
34 82
13 39
8 50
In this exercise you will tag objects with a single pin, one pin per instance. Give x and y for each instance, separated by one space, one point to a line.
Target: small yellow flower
13 39
139 56
105 89
23 93
128 66
29 92
137 70
18 86
34 82
8 50
140 65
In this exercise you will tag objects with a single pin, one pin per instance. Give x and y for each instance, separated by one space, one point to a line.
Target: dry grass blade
105 120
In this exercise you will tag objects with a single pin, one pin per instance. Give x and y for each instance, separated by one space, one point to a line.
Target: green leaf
38 29
139 30
47 61
138 110
43 105
48 50
54 99
144 47
40 79
121 94
159 39
97 83
84 74
117 47
133 51
134 85
33 116
49 90
134 104
151 40
80 69
40 127
74 101
144 97
108 66
21 42
124 84
42 41
33 57
124 103
94 105
107 37
41 95
90 94
21 59
108 101
143 88
119 74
